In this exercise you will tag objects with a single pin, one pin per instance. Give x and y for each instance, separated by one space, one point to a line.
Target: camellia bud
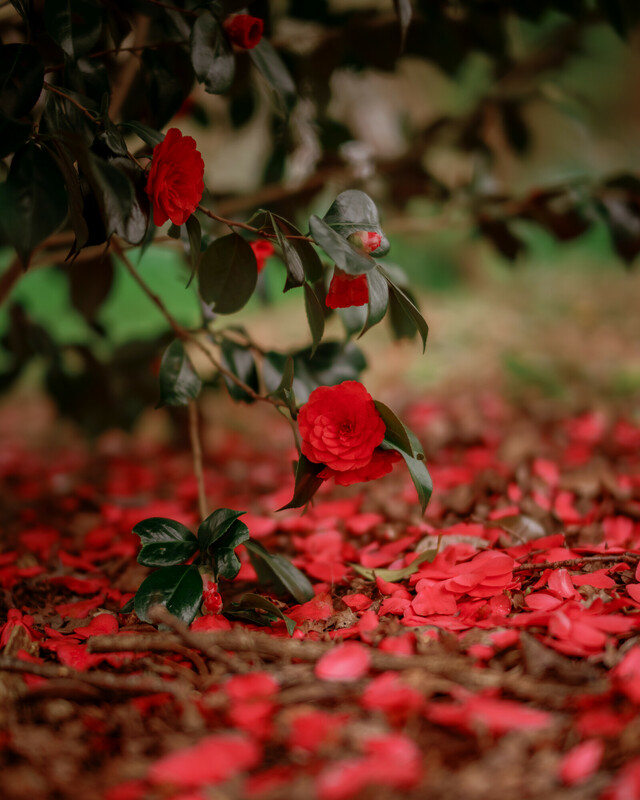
244 30
211 597
365 240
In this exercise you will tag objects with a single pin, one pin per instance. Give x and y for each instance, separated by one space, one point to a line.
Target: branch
246 227
196 450
71 100
577 562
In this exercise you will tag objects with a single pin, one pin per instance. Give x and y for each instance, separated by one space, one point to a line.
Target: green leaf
73 24
228 274
240 362
216 525
132 226
350 260
226 563
166 554
179 382
408 308
212 55
290 256
305 251
315 316
256 601
148 135
128 607
353 318
178 588
378 299
167 79
161 529
74 193
332 363
394 575
21 79
307 483
194 232
354 211
274 71
396 433
280 572
33 200
403 325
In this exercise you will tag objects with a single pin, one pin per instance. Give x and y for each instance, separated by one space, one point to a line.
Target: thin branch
183 333
246 227
196 450
71 100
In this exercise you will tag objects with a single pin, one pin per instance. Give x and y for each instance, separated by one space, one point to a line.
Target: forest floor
507 666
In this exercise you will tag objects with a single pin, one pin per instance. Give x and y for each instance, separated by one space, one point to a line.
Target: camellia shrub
88 163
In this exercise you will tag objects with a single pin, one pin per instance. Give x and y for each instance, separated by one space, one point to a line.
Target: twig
196 450
183 333
71 100
576 562
246 227
161 615
130 684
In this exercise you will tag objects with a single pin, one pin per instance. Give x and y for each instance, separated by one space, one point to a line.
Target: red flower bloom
244 31
262 250
175 183
381 463
340 426
347 290
211 598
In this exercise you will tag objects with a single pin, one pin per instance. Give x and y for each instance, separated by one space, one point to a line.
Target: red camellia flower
347 290
365 240
262 250
340 426
381 463
211 598
175 183
244 31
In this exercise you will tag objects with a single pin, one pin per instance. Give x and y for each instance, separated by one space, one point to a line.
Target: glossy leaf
305 251
194 233
228 274
74 194
75 25
378 299
211 54
396 432
277 570
290 256
350 260
256 601
332 363
274 71
33 200
315 316
179 382
354 211
216 525
408 308
226 563
148 135
178 588
21 79
307 483
240 362
161 529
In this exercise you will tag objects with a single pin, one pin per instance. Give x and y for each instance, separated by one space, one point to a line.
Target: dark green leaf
332 363
350 260
402 325
420 477
272 68
240 362
305 251
354 211
74 194
149 135
226 563
194 232
216 525
256 601
378 299
133 227
178 588
211 54
623 15
21 79
166 81
75 25
33 200
112 138
396 433
315 316
128 607
166 554
228 274
409 309
280 572
353 318
307 483
179 382
161 529
290 256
